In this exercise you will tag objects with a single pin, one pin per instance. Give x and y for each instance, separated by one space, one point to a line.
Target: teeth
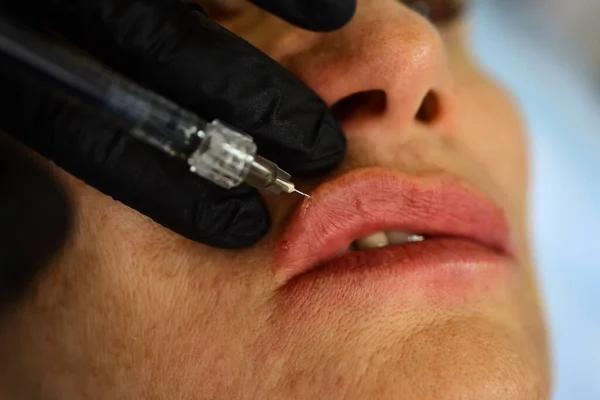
382 239
397 237
378 239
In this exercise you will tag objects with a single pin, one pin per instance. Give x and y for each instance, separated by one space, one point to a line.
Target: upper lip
376 199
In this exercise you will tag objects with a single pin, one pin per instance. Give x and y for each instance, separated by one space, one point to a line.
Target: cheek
130 303
490 130
122 271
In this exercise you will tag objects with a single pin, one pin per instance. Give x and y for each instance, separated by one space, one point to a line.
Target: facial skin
130 310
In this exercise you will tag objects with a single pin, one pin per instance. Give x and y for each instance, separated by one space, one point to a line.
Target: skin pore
130 310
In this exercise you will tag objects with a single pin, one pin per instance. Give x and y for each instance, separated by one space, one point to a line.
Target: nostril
430 108
371 102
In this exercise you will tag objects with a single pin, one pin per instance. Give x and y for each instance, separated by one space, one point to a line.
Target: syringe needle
302 193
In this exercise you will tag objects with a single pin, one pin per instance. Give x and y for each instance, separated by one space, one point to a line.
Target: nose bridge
385 49
379 53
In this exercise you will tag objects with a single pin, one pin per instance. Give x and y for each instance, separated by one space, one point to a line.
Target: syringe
215 151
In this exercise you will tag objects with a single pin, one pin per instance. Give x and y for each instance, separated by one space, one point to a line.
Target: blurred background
547 52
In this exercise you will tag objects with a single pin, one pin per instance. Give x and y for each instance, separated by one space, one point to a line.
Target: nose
386 69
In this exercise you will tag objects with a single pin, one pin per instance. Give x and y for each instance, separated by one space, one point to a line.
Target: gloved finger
172 48
124 168
34 220
314 15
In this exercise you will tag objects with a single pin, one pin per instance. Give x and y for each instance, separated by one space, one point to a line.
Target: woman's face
132 310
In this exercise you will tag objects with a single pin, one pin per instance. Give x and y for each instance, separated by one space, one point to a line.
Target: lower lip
440 270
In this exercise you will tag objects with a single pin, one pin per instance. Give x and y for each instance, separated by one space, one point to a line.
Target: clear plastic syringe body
214 151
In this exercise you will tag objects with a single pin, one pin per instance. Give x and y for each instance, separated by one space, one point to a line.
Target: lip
466 227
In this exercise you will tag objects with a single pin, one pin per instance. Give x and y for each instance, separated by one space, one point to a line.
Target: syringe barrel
146 115
154 120
215 151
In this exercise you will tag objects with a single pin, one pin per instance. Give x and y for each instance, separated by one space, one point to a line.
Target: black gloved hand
173 48
34 217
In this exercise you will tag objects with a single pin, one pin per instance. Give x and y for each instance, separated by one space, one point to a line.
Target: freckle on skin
358 204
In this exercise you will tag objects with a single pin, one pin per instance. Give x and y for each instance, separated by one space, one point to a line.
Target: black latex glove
174 49
34 219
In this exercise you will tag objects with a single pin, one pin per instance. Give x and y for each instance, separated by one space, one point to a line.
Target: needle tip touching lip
301 193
